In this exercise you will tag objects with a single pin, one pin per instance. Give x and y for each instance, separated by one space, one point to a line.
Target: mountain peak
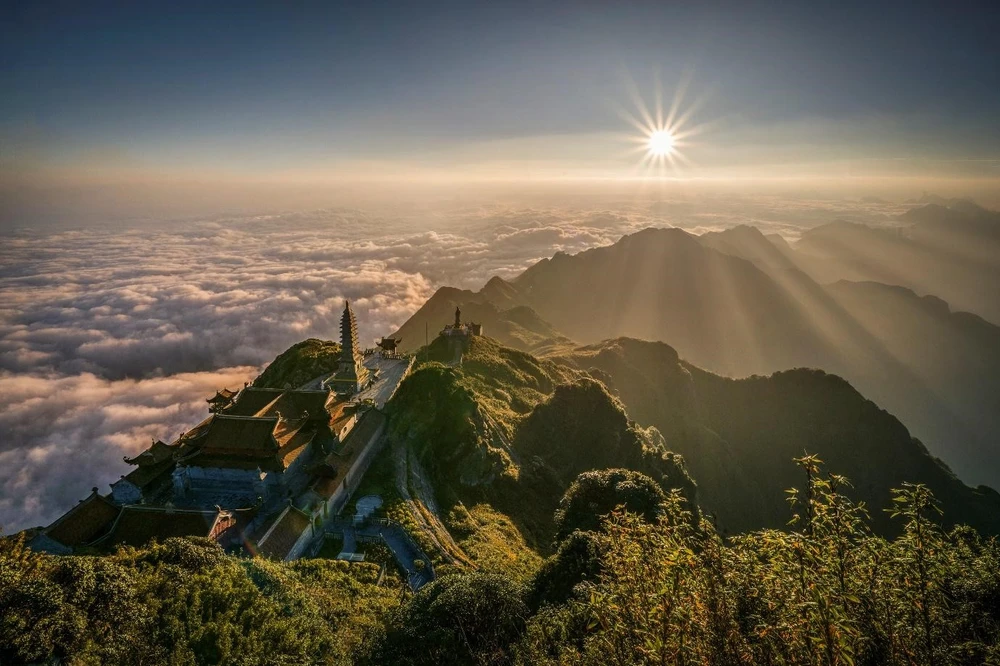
674 234
500 292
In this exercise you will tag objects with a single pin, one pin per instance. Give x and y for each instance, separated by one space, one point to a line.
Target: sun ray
675 104
638 101
658 92
662 136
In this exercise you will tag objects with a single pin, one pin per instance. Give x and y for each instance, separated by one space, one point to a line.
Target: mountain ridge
736 303
736 437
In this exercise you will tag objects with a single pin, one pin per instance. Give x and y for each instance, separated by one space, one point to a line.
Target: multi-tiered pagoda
351 375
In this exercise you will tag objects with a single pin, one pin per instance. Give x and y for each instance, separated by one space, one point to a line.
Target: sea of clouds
114 335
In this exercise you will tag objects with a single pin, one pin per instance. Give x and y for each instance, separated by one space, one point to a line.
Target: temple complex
267 467
252 451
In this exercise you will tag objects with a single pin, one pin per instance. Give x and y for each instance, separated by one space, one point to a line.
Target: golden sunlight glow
661 142
664 132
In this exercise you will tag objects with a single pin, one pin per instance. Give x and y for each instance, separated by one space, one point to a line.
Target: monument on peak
462 330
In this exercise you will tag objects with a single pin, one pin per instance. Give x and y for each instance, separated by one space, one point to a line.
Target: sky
244 95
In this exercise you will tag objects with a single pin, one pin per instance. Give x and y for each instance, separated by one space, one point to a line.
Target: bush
468 618
593 495
828 592
577 560
183 601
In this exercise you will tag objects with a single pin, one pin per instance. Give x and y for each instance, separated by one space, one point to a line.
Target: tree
577 560
470 618
594 495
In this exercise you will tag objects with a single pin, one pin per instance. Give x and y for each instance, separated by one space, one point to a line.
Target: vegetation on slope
183 602
829 591
511 430
738 436
583 427
660 587
492 541
299 363
594 495
470 618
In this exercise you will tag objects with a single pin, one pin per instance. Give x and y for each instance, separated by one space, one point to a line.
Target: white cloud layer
112 336
63 435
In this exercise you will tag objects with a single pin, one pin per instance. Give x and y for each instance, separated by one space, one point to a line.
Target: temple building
221 400
259 448
150 478
99 523
389 345
352 375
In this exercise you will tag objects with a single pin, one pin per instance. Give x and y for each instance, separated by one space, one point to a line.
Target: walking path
408 469
404 549
406 552
350 543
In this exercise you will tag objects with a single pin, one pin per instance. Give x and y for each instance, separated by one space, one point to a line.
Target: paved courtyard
390 374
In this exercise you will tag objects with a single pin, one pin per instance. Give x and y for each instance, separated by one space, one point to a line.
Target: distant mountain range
739 303
951 251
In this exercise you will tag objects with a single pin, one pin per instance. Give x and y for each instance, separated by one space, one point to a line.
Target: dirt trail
409 470
497 437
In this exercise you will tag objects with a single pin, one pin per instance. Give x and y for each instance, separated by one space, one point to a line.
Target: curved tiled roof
138 525
84 523
279 539
297 404
234 435
252 400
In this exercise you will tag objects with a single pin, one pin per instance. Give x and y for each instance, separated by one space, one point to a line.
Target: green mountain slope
737 303
513 431
936 369
299 363
739 436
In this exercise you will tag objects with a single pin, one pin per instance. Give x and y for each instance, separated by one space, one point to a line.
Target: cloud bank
64 435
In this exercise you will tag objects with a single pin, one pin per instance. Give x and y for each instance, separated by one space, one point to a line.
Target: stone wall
208 486
124 491
354 476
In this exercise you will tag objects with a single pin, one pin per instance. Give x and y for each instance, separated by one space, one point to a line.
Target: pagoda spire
349 352
351 375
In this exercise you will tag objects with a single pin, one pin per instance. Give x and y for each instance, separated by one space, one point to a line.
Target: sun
661 143
663 133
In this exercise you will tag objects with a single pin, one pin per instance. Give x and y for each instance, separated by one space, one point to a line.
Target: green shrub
830 591
594 495
468 618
